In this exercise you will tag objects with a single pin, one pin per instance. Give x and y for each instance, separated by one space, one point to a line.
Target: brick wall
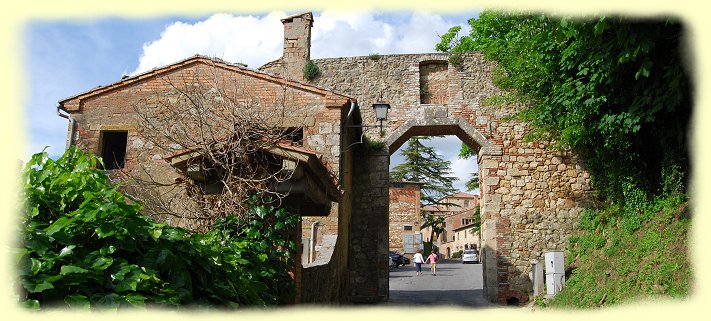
404 210
112 107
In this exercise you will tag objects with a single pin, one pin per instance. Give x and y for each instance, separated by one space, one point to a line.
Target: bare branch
221 125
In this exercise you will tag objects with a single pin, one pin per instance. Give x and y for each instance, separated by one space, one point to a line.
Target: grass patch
628 254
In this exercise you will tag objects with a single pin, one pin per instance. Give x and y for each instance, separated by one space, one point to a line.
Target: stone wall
368 259
531 196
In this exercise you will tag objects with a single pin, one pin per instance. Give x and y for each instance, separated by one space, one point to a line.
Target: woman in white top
418 259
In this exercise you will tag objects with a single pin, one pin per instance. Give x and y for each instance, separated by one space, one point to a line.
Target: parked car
396 258
406 260
470 256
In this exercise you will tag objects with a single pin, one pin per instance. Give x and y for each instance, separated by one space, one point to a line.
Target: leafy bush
457 254
374 56
310 70
85 245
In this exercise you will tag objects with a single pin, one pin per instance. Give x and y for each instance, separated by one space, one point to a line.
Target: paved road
455 284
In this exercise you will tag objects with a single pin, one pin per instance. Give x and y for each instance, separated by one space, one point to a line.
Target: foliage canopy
423 164
85 245
613 89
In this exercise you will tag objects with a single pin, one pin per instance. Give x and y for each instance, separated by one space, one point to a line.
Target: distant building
405 218
458 213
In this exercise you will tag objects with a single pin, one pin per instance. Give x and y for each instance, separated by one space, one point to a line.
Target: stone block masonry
530 196
368 259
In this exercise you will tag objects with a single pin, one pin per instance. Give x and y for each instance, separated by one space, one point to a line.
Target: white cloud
243 39
339 34
258 40
462 169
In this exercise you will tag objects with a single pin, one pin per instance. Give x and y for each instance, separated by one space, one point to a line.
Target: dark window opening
113 149
407 227
294 135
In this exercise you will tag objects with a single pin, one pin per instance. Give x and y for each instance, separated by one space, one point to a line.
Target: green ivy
85 245
613 89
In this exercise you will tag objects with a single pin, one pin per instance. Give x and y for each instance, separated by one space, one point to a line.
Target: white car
470 256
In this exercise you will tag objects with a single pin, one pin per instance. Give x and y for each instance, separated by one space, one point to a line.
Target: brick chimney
297 44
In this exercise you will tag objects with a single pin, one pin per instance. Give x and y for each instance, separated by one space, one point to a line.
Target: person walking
418 259
432 258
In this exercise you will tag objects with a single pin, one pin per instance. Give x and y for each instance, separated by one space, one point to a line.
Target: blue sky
68 57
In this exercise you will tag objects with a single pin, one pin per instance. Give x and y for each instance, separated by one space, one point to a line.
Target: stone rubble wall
532 197
368 260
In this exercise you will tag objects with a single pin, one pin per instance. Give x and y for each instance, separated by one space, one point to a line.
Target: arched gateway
531 197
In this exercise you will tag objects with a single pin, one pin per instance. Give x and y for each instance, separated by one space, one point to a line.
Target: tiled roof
463 195
207 60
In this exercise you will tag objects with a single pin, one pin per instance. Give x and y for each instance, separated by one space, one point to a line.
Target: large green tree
422 164
613 89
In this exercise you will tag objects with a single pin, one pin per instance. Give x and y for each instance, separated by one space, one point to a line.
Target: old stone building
456 209
531 197
108 121
405 218
460 237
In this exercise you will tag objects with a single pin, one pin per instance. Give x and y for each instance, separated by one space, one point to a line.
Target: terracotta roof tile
204 59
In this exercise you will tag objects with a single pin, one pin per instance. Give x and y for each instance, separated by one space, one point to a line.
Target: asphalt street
455 284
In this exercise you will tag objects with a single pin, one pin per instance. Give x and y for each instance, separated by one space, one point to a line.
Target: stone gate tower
531 196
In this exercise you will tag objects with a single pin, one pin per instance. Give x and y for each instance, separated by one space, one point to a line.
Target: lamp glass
381 111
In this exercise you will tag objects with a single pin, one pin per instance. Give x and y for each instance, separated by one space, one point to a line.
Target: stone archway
488 155
531 197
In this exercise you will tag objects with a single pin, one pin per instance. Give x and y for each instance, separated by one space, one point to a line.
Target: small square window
113 149
407 227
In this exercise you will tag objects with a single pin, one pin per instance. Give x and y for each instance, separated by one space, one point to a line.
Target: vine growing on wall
221 127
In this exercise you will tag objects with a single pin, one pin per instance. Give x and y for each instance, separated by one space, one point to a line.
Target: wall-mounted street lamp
381 114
